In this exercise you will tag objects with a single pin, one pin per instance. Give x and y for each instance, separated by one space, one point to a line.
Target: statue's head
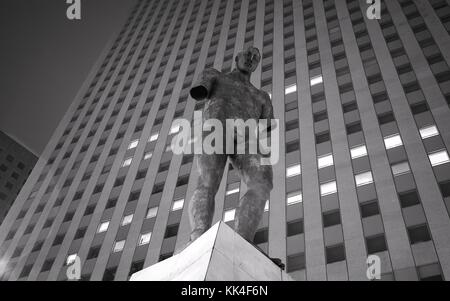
247 61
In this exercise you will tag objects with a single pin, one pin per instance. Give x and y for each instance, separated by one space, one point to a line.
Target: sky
44 59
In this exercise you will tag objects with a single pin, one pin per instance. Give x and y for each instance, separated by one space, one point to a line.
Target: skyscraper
364 169
16 163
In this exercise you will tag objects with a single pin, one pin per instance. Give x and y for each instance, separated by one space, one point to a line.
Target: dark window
119 181
419 108
354 128
158 188
291 125
292 146
376 244
171 231
335 253
58 239
348 107
47 265
418 234
37 246
90 209
165 256
408 199
386 118
136 266
369 209
111 203
322 137
261 236
294 227
109 274
134 196
331 218
26 270
69 216
93 252
320 116
80 233
445 189
295 262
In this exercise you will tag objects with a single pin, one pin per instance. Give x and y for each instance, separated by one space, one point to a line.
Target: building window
294 198
153 137
331 218
133 144
261 236
147 156
316 80
152 212
294 170
418 234
364 179
335 254
127 220
393 141
376 244
294 228
369 209
127 162
358 152
229 215
439 158
171 231
428 132
295 262
431 272
328 188
118 246
145 238
232 191
266 207
177 205
71 259
291 89
400 168
325 161
103 227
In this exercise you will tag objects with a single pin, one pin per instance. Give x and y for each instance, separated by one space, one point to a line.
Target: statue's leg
258 179
201 206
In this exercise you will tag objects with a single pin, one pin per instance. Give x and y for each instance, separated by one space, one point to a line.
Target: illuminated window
229 215
328 188
316 80
266 207
133 144
118 246
177 205
103 227
364 178
325 161
127 219
152 212
71 259
291 89
393 141
429 131
127 162
175 129
148 156
439 158
145 238
294 198
232 191
358 152
293 170
153 137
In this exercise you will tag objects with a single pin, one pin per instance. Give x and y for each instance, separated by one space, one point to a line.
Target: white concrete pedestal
218 255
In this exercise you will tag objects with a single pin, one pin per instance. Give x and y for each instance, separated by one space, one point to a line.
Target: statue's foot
277 261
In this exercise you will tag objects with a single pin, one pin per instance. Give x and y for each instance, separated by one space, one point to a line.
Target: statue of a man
232 96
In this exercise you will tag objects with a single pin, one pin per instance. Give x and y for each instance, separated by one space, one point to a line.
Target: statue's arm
267 112
204 84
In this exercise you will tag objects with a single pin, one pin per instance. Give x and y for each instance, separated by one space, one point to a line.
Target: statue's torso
232 98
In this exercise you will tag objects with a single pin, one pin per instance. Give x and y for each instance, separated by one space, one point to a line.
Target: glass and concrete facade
364 168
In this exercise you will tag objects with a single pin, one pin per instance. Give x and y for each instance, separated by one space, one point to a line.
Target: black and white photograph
231 147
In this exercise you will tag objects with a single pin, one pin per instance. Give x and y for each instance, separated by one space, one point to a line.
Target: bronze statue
232 96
